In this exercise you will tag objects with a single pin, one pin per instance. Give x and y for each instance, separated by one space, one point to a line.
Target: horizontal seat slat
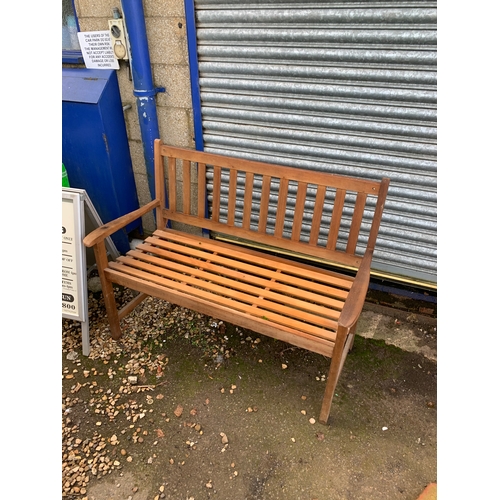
247 273
239 282
225 313
255 258
291 285
235 300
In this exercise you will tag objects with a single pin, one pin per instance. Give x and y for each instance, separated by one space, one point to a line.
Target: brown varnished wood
259 325
231 279
172 184
264 203
216 194
101 233
201 189
107 290
298 247
301 304
186 186
237 301
253 257
340 350
318 212
231 205
247 202
131 305
299 211
277 171
161 222
377 216
249 273
357 217
355 299
338 207
281 210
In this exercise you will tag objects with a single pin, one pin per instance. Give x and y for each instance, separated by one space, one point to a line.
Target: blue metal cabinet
95 148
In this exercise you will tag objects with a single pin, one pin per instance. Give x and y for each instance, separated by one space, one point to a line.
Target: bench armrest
356 298
108 229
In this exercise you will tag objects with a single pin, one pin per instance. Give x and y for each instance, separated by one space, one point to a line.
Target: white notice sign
74 268
97 50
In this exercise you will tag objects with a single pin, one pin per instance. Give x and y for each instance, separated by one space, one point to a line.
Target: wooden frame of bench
302 304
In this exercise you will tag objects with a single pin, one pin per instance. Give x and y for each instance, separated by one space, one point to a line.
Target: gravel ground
187 407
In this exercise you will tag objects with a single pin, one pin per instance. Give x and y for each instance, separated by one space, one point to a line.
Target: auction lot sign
74 269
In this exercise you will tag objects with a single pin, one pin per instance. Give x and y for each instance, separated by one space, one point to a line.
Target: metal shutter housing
343 87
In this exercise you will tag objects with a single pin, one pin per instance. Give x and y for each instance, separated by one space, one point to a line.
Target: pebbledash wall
166 32
346 87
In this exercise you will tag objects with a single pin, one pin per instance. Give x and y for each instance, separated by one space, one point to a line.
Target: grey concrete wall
166 32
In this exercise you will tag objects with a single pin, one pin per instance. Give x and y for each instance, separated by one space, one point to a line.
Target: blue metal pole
190 11
142 76
193 70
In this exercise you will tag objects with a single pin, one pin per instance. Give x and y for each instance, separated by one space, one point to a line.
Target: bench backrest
278 206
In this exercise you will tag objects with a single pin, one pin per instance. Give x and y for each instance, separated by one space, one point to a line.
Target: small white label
97 50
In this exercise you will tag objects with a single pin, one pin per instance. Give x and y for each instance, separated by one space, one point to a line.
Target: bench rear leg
107 291
342 346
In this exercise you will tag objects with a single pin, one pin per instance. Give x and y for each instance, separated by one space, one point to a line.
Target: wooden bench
280 208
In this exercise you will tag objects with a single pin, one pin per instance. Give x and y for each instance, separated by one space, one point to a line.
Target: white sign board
74 268
97 50
79 217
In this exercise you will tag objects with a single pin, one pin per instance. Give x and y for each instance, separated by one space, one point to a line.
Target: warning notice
97 50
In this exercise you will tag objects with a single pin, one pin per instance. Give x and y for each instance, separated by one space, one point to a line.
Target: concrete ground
223 413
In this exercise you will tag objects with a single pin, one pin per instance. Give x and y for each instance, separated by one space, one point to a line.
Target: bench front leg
340 350
107 290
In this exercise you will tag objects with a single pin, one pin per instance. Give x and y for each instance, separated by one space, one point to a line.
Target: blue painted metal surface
189 10
95 148
193 69
142 76
405 292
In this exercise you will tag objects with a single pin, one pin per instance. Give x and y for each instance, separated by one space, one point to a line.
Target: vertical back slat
264 202
231 202
216 194
159 184
299 211
318 212
186 186
338 206
238 185
280 213
377 216
247 202
202 170
357 217
172 199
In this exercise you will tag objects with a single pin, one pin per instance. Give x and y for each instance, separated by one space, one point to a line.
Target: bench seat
291 301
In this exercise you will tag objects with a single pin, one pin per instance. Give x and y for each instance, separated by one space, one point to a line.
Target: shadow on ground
218 412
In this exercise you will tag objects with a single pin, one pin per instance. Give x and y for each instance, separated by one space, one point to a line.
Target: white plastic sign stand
77 210
74 267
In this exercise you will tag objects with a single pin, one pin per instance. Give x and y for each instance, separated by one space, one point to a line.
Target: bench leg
340 350
107 291
352 333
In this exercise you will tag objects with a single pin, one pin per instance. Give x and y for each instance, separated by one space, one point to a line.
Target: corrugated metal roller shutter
345 87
